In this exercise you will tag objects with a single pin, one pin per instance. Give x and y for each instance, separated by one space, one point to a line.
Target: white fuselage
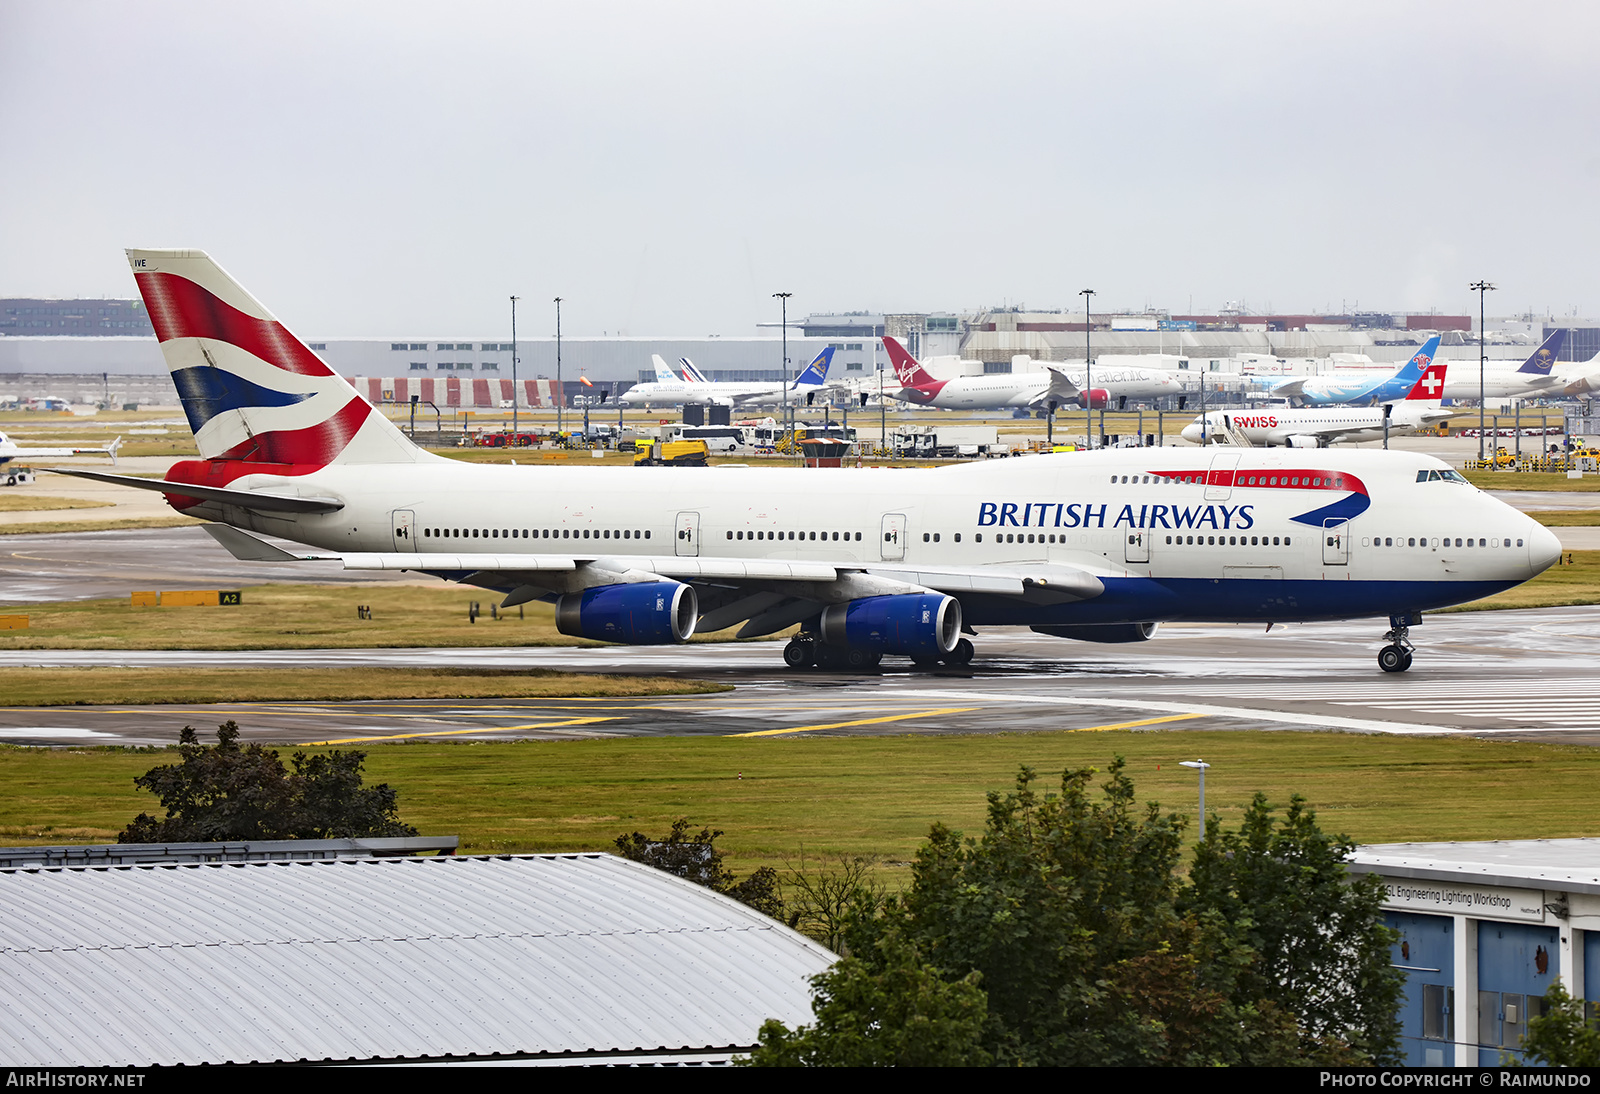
1003 391
1220 546
1277 425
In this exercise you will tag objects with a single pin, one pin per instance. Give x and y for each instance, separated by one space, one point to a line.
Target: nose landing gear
1396 657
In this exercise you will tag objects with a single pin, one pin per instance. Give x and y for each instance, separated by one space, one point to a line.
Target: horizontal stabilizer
245 499
247 548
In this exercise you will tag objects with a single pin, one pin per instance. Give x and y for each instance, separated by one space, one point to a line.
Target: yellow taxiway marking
859 722
1131 725
457 732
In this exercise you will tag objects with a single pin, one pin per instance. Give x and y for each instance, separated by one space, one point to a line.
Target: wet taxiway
1522 674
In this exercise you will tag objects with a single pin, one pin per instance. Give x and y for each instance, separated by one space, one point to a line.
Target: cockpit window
1446 475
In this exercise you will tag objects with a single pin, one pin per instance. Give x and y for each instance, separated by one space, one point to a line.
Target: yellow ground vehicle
672 453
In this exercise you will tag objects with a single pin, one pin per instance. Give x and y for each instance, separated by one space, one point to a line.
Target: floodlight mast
1481 288
1200 766
1088 368
514 419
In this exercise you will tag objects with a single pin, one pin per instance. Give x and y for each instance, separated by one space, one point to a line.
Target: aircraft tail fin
691 373
251 390
1430 387
664 374
906 369
1411 372
816 373
1544 358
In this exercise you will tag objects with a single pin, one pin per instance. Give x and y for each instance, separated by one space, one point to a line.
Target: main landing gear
1396 657
805 652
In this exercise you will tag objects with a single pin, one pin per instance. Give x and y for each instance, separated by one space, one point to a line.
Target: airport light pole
1481 287
788 420
561 393
1200 766
1088 368
514 419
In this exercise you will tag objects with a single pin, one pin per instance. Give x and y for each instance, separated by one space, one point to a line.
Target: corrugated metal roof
384 959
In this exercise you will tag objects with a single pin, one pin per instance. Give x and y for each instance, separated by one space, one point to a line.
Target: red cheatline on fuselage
1274 480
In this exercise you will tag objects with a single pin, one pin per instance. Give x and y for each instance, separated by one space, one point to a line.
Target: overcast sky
372 169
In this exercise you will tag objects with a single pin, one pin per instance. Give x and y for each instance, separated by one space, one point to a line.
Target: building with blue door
1485 930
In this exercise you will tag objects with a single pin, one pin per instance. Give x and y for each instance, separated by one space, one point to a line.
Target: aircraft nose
1191 433
1544 549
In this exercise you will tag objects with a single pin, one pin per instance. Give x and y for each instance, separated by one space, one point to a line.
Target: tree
244 793
1090 949
1561 1037
892 1011
1322 951
695 858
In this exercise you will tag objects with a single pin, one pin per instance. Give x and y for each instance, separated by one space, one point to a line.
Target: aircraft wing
766 595
1059 390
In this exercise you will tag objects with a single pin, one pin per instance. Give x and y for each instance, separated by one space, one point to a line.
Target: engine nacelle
1100 632
1096 398
1300 441
914 624
653 613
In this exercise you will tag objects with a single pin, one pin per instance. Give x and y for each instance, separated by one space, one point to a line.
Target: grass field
1566 518
38 503
1532 480
28 687
867 795
43 527
1559 586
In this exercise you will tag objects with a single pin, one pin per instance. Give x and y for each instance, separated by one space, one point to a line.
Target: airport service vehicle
1047 388
669 390
1336 388
1099 546
1420 409
11 450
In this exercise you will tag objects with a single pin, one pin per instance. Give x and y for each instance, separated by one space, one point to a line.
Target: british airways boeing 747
1099 546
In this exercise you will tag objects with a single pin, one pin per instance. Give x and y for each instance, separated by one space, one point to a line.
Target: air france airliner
1098 546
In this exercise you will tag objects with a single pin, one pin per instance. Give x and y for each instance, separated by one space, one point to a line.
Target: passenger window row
1422 541
794 536
1230 541
536 533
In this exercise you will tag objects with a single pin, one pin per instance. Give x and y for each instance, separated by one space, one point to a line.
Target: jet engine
1100 632
913 624
1300 441
1096 398
653 613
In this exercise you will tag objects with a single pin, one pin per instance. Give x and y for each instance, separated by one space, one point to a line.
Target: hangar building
533 959
1485 930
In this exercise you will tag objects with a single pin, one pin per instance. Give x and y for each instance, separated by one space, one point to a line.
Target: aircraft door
688 534
1335 542
1219 479
1136 545
402 530
894 536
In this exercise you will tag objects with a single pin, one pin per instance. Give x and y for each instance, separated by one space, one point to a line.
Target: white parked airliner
1051 386
1098 546
1420 409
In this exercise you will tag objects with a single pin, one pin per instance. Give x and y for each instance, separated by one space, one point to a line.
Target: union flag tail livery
252 391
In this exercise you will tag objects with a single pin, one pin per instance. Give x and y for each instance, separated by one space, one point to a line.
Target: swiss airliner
1099 546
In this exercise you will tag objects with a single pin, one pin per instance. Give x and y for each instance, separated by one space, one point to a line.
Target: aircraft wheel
831 657
859 657
925 662
961 655
798 655
1393 659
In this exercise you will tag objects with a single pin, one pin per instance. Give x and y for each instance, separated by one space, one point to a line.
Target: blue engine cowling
653 613
1099 632
916 624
